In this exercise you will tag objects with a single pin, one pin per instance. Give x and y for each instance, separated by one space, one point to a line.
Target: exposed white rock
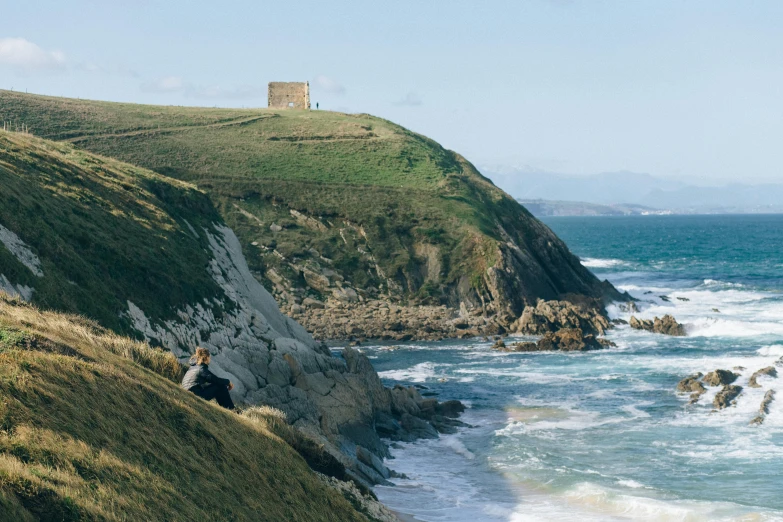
21 291
272 360
21 251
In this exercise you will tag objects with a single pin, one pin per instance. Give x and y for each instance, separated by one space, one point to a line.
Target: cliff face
150 257
336 208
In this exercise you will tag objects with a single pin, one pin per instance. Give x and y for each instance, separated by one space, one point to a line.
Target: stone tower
289 95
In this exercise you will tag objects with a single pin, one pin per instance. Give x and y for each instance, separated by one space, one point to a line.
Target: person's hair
201 356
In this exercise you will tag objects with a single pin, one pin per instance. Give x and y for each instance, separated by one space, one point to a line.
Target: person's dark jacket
199 376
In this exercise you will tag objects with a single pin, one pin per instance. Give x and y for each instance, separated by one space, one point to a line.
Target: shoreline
404 517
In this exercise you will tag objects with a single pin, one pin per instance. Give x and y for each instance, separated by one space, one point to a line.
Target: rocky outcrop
768 371
720 377
726 396
764 407
272 360
551 316
692 385
362 501
565 339
666 325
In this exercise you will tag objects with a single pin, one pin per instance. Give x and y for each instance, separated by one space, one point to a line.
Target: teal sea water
604 435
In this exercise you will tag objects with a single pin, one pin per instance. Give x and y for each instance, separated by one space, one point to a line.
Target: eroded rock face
666 325
769 371
551 316
720 377
273 360
726 396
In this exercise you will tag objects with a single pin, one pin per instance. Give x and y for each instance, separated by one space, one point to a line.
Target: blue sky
687 89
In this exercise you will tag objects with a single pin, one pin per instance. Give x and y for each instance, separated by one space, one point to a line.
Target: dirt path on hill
156 130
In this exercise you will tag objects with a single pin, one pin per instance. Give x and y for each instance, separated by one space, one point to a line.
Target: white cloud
409 100
329 85
26 55
165 84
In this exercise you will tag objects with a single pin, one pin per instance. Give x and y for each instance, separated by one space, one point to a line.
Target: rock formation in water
564 339
768 371
726 396
550 316
720 377
666 325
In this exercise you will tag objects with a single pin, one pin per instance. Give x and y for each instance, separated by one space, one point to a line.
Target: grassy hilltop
327 203
86 433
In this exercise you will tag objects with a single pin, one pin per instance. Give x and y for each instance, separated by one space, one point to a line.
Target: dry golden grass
87 433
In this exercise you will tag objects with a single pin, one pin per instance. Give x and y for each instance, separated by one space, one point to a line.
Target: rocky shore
696 385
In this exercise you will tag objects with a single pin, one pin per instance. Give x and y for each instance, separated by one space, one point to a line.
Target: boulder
768 398
551 316
691 384
769 370
726 396
666 325
720 377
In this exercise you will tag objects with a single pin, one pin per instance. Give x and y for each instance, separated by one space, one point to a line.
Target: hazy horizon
678 90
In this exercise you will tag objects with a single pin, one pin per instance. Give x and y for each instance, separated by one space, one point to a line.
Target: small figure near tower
289 95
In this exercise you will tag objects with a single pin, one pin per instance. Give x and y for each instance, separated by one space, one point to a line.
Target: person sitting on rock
199 380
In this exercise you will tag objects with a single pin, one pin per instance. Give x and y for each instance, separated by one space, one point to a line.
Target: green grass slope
104 231
86 433
357 201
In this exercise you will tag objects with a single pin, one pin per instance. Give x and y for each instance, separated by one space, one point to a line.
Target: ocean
604 435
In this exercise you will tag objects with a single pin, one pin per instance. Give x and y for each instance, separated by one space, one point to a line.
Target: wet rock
522 347
683 299
666 325
726 396
551 316
568 340
451 409
417 427
769 370
606 343
716 310
664 298
641 324
768 398
499 345
763 408
691 384
720 377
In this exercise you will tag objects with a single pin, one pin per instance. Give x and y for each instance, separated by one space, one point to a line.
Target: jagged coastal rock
666 325
565 339
726 396
769 371
720 377
549 316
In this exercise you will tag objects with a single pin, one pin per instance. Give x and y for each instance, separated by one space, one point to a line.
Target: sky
688 89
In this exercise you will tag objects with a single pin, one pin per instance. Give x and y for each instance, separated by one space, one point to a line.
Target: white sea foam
592 262
418 373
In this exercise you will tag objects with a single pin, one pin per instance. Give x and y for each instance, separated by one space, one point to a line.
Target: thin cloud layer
27 56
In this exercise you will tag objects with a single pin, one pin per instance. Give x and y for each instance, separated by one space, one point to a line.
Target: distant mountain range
623 191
